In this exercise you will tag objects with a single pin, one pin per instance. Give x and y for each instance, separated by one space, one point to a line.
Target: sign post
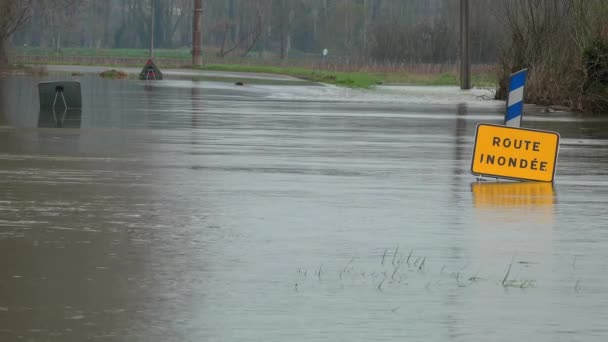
515 153
515 98
465 47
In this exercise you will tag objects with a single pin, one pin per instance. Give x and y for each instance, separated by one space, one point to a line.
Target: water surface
205 211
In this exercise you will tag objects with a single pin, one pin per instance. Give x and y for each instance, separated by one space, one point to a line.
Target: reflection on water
64 118
512 194
197 211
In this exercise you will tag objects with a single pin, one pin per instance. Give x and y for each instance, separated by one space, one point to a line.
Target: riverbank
357 79
305 67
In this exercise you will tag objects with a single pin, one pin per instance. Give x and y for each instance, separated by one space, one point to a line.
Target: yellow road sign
515 153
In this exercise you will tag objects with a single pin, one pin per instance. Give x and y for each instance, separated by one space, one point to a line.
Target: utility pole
197 33
465 48
152 30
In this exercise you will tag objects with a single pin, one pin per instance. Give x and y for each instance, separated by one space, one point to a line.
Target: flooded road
205 211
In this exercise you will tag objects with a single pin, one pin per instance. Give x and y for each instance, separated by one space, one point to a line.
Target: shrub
564 46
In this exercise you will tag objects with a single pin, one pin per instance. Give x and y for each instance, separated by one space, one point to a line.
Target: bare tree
13 14
58 15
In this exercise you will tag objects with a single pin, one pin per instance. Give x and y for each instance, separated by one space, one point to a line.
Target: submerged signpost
61 94
60 104
510 152
150 71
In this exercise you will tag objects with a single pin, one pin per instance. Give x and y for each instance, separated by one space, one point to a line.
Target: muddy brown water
204 211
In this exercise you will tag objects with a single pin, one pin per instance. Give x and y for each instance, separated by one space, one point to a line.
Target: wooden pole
197 33
152 30
465 48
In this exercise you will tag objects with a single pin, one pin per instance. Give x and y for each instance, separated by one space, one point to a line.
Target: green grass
91 52
349 79
358 79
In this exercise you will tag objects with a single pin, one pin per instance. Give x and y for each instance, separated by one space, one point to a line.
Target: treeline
564 43
378 30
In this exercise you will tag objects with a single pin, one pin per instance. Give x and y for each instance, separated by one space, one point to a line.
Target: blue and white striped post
515 99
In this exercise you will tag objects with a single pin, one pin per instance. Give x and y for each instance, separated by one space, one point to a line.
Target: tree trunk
4 45
283 28
58 46
365 25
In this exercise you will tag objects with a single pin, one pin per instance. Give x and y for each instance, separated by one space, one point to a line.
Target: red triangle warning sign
150 71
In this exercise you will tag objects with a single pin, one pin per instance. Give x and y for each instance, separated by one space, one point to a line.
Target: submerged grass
397 269
522 284
113 74
12 69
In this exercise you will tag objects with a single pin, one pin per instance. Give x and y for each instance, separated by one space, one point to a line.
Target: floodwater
203 211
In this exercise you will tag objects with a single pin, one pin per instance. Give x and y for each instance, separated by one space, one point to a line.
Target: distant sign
515 153
150 72
53 94
325 52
